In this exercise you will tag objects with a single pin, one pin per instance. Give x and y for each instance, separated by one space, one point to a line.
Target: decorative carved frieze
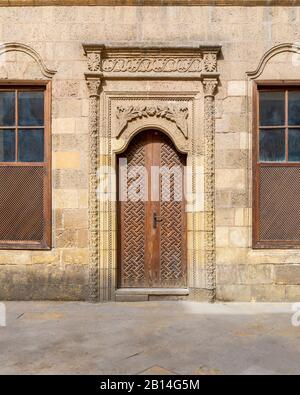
153 64
174 113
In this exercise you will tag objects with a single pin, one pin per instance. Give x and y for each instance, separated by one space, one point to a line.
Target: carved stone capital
93 82
210 86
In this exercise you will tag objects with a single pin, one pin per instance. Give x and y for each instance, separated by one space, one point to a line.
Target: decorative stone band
182 61
209 88
94 85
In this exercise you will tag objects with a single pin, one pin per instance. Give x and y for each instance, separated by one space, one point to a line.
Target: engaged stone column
94 85
209 86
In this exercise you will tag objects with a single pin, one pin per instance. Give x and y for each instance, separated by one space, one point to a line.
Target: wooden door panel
153 253
132 226
172 248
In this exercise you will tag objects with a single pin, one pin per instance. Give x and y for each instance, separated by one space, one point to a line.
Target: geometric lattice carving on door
133 224
172 237
279 201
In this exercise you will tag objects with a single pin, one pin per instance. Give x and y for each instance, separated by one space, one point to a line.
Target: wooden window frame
35 85
268 85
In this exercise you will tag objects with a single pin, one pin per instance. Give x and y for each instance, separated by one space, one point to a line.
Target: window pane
294 108
7 145
31 145
294 145
31 108
7 108
272 145
271 108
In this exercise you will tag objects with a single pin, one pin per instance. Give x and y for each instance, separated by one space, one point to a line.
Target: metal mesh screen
22 203
279 200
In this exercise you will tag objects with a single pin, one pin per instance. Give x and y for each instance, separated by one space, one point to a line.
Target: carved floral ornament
174 113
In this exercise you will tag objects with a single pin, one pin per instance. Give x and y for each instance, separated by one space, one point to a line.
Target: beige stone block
58 215
75 256
236 88
67 238
68 88
46 257
241 217
231 159
76 219
231 123
16 258
227 141
231 255
233 104
268 293
222 236
83 198
226 274
225 217
66 198
255 274
239 237
234 293
83 238
69 108
230 178
287 274
244 140
66 160
82 124
292 293
223 199
63 125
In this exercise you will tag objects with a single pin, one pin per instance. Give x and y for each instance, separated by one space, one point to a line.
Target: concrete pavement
162 337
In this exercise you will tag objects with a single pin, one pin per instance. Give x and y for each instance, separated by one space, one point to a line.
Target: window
24 167
276 166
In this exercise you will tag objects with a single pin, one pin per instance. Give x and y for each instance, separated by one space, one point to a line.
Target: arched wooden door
151 213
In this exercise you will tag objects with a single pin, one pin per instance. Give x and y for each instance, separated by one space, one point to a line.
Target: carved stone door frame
117 114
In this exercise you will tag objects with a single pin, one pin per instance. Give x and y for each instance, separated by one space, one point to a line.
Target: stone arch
179 141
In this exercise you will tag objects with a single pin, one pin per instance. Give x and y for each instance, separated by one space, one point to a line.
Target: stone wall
57 34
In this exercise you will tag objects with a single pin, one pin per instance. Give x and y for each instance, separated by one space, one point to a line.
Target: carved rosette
209 86
210 62
94 61
94 85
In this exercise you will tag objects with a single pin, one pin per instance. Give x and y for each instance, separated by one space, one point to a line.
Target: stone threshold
145 294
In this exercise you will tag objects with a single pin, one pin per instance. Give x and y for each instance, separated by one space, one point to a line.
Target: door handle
156 219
